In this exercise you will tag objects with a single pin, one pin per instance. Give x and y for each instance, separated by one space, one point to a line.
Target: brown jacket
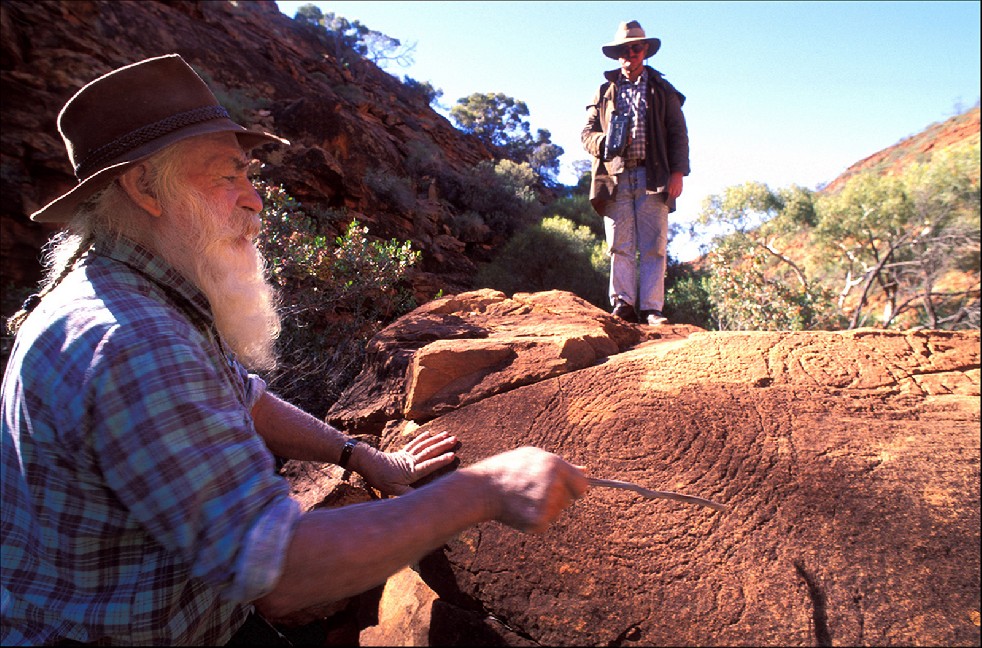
667 142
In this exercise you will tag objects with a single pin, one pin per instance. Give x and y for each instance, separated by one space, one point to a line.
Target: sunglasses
637 48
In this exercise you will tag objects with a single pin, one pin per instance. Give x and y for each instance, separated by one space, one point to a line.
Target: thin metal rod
653 494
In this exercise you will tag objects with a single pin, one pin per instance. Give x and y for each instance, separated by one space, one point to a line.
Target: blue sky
778 92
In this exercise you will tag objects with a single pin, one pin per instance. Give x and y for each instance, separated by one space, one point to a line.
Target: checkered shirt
139 504
630 98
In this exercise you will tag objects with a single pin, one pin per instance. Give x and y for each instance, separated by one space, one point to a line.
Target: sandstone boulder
458 350
849 462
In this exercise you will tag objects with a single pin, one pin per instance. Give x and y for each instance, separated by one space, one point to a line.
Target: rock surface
460 349
849 462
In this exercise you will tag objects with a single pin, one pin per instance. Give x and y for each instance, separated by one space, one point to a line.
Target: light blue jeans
636 225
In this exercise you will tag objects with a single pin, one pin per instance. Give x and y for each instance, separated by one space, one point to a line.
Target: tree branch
798 272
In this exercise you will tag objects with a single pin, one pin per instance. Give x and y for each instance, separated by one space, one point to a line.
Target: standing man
140 501
637 136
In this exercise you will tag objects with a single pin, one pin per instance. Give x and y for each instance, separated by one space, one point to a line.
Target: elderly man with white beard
140 499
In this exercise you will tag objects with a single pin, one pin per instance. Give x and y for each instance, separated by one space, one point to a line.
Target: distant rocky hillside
349 125
963 128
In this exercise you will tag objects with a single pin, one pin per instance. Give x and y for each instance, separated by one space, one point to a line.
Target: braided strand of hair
17 319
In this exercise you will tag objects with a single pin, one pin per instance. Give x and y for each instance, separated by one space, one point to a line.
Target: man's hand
675 186
393 472
531 487
338 552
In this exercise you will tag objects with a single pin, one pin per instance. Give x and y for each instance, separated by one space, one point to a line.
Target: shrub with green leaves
898 250
469 227
425 90
502 193
554 254
578 209
423 158
336 294
747 298
239 103
687 296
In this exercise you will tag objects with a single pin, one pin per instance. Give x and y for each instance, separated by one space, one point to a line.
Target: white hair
192 235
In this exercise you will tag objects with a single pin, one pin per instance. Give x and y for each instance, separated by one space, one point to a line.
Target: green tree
424 89
501 123
746 294
354 36
756 282
584 174
544 157
497 120
896 250
382 50
909 242
309 14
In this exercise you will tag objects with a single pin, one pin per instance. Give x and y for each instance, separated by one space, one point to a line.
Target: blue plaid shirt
139 504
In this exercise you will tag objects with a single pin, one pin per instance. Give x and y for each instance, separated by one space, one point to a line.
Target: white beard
217 252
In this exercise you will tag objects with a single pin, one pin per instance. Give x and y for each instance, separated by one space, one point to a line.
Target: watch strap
346 451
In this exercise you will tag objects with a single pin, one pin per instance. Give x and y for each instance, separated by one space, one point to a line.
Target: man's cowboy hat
128 115
627 33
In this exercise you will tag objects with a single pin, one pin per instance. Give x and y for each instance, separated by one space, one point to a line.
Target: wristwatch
346 451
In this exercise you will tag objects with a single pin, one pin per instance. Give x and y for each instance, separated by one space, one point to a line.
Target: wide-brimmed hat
627 33
128 115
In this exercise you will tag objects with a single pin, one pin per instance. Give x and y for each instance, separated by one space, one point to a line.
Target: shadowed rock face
849 462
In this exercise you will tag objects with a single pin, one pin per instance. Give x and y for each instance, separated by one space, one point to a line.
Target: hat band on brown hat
96 159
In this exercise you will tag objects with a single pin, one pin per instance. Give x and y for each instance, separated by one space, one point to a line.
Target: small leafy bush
336 295
238 103
554 254
470 227
687 296
502 193
424 90
423 158
351 93
578 209
746 298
